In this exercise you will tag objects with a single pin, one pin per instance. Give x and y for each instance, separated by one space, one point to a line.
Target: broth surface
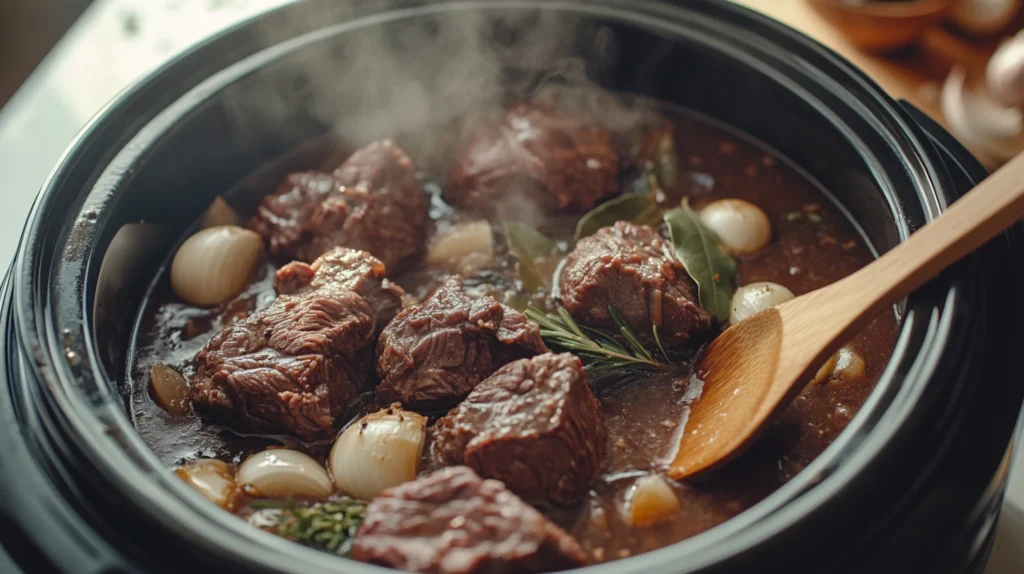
644 417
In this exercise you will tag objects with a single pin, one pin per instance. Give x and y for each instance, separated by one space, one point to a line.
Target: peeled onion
219 213
849 365
844 363
1004 75
741 226
462 240
377 452
214 265
984 17
170 390
284 473
825 371
753 298
212 478
650 500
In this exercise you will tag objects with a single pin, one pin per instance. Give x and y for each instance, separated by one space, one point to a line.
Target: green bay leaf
696 247
537 255
634 207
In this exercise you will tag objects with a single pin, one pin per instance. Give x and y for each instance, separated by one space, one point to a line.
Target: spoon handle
990 208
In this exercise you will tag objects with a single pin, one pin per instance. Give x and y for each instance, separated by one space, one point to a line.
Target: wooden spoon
753 370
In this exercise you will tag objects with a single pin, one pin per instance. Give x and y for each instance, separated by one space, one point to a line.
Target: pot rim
101 429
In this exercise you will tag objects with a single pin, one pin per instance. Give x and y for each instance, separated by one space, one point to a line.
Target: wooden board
915 74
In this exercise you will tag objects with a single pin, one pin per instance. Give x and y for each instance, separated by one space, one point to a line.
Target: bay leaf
537 254
712 270
638 208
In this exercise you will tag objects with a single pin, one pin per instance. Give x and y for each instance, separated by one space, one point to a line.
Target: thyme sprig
600 351
327 526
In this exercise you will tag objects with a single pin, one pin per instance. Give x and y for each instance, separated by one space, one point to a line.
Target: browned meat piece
295 366
453 522
534 425
632 267
344 269
372 202
434 353
561 162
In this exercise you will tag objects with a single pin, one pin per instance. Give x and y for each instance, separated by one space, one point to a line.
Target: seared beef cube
434 353
534 425
538 154
298 364
345 270
632 267
372 202
454 522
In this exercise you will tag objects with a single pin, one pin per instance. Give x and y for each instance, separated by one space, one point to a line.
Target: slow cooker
914 484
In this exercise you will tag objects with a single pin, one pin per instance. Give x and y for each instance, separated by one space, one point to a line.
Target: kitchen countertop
116 41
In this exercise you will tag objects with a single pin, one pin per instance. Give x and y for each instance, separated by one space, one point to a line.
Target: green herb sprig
598 350
327 526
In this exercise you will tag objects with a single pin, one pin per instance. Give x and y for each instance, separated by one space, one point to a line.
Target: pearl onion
741 226
756 297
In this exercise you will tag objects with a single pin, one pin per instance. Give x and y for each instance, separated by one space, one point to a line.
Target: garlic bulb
214 265
220 213
169 389
213 479
462 240
1004 75
281 473
379 451
650 500
753 298
978 120
741 226
984 17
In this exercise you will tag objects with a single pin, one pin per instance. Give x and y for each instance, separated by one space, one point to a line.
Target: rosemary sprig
599 350
327 526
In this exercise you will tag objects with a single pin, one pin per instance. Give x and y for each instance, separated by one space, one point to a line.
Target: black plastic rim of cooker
914 484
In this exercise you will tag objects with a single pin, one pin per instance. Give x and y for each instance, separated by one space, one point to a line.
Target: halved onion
741 226
377 452
220 213
1004 74
753 298
979 121
169 389
281 473
214 265
212 478
649 501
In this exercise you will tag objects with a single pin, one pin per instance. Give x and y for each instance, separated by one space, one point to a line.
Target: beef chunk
434 353
343 269
632 267
372 202
454 522
534 424
560 162
295 366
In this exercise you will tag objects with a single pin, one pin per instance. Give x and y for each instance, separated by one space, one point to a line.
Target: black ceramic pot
914 484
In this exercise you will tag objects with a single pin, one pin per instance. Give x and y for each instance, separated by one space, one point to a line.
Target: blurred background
28 29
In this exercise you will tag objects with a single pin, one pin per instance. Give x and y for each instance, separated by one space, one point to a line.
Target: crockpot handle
962 168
